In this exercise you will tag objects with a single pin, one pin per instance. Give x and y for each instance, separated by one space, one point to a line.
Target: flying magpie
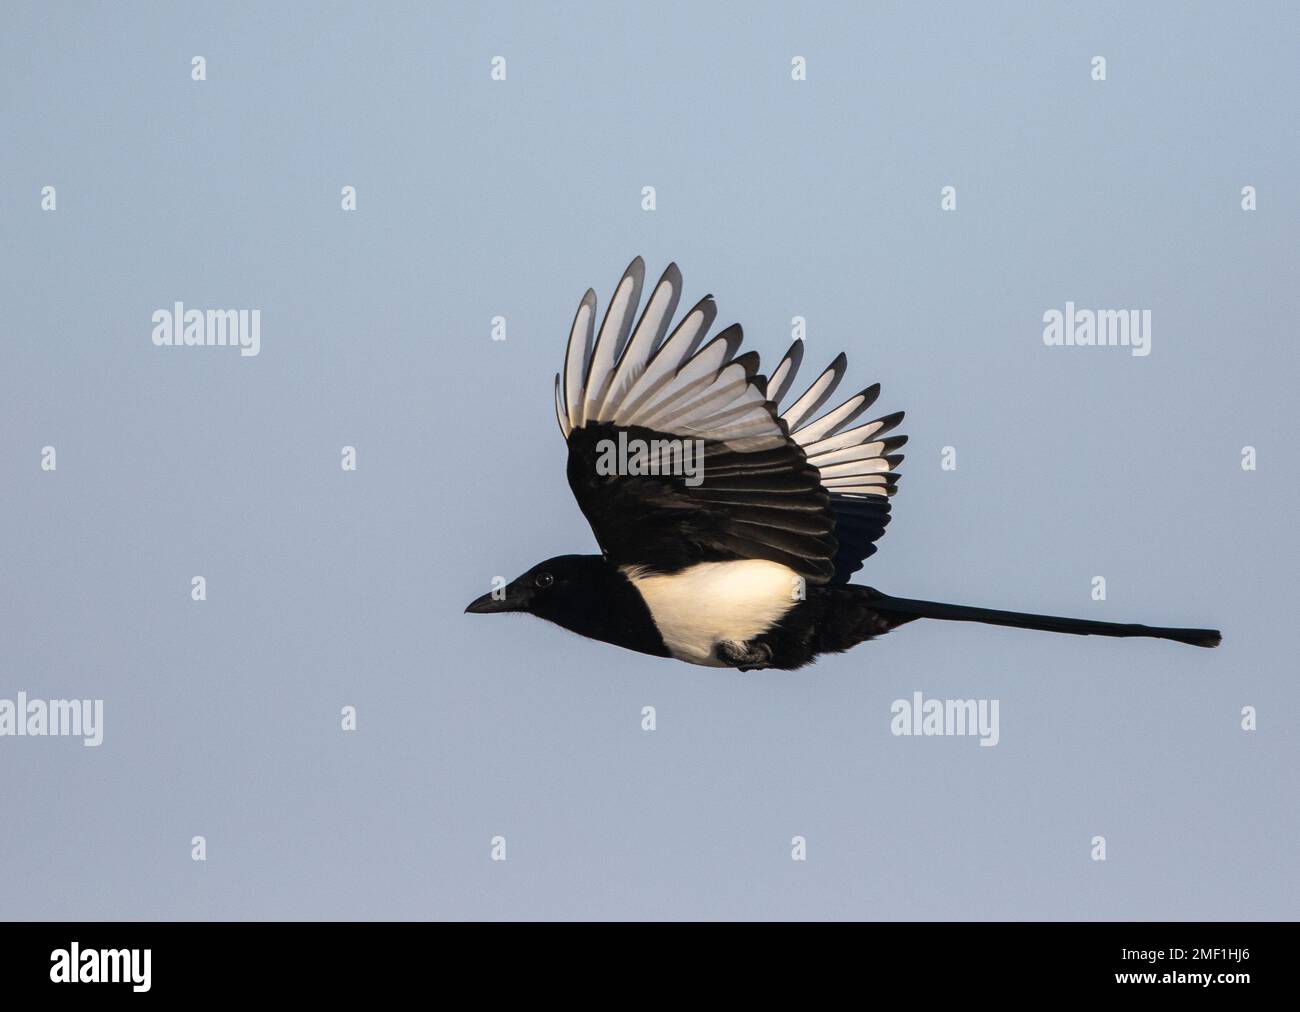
728 526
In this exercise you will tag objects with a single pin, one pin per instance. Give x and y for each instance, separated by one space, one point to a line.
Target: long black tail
907 609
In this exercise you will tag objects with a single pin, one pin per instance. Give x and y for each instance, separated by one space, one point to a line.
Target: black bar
205 960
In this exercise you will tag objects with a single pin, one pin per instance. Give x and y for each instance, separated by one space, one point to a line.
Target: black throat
605 606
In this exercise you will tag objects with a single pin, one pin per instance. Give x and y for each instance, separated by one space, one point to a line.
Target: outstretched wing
677 455
856 465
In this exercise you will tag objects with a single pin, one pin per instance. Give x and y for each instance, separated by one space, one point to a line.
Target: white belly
714 601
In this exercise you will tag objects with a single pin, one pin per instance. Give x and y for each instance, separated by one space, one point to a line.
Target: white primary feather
681 386
659 371
822 387
576 357
684 386
783 375
613 335
647 336
850 462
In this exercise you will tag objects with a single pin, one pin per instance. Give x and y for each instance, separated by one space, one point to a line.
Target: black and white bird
729 515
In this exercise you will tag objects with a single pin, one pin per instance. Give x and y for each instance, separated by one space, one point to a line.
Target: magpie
728 526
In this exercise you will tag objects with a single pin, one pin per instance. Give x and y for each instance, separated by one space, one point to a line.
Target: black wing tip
734 335
707 306
750 361
888 422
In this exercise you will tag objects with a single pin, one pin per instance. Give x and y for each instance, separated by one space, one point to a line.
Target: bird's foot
752 656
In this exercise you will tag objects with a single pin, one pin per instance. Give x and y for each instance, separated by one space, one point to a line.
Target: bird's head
558 590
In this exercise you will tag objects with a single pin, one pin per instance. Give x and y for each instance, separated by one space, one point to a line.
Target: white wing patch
852 462
630 375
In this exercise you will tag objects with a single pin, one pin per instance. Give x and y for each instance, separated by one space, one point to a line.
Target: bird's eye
544 579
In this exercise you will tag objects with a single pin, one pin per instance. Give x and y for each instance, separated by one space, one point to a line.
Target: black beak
487 605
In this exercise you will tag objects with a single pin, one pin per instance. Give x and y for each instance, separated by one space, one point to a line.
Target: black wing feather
776 511
801 488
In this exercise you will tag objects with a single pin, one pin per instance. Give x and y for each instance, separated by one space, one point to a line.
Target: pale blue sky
479 199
